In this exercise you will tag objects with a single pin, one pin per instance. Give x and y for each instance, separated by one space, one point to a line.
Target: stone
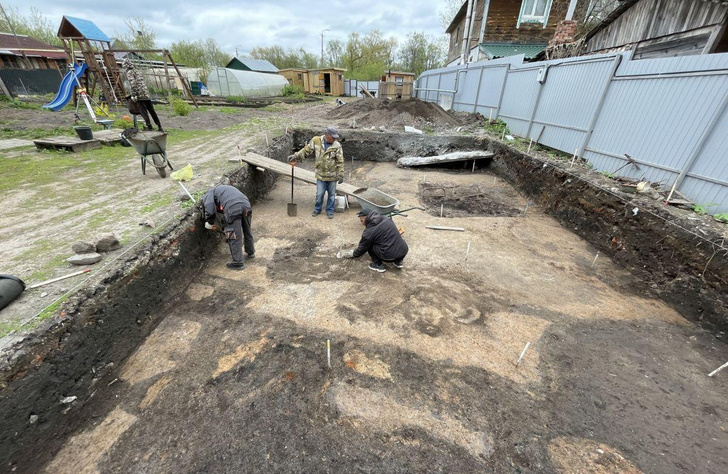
107 243
33 419
383 129
84 259
182 196
83 247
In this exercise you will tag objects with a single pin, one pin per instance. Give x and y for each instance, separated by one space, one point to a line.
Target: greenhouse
231 82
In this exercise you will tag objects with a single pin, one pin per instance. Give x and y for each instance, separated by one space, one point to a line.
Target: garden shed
231 82
329 81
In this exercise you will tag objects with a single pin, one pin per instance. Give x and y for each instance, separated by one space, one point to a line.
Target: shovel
292 206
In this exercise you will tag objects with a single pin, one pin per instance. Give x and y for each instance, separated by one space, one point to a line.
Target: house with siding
490 29
662 28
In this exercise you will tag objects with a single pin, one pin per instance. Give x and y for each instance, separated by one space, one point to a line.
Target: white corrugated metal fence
669 115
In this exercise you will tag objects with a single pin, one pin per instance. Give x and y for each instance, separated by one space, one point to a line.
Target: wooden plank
66 143
364 89
284 169
407 161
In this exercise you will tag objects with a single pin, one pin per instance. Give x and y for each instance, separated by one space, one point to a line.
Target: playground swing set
94 64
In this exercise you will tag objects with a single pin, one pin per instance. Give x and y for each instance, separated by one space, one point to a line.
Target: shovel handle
292 168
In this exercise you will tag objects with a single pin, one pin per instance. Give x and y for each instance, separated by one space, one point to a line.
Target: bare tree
447 12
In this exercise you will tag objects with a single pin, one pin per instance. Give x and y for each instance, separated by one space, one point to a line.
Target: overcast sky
246 24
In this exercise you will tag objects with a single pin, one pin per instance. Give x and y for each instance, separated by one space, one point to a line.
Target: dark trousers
146 108
239 234
378 261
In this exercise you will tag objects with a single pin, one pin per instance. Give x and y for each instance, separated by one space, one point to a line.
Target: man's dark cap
364 213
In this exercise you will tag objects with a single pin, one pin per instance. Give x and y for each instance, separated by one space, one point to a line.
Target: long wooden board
71 144
284 169
408 161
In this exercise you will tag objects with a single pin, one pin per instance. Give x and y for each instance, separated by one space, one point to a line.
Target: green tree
138 36
419 53
367 57
36 25
282 59
335 53
448 11
214 54
189 53
203 55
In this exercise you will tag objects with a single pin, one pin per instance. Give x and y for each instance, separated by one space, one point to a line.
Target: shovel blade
292 209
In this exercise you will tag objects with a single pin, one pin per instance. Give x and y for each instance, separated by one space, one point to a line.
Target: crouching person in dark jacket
381 240
235 206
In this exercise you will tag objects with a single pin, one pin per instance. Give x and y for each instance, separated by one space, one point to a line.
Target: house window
300 76
534 11
399 81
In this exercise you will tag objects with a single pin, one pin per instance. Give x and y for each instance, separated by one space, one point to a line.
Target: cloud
246 24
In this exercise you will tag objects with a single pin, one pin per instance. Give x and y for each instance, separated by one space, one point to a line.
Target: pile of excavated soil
395 113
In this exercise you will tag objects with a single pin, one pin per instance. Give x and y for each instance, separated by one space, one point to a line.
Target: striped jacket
329 164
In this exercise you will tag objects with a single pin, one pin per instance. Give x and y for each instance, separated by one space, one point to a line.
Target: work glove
291 159
341 180
209 226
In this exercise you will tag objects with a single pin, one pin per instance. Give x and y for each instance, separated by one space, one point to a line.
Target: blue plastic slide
65 92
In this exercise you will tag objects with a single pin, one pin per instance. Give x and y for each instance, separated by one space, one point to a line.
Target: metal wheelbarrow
375 200
152 149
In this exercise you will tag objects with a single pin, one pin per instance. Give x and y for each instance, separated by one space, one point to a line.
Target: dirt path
423 374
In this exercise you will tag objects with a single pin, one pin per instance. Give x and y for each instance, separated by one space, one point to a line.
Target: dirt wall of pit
366 145
100 327
672 258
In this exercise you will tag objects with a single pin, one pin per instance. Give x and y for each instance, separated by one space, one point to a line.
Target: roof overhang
455 21
502 50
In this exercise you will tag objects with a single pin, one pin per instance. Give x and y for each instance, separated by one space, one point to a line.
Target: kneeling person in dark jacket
381 240
236 208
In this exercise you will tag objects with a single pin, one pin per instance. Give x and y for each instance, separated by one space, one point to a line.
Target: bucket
84 133
10 288
340 203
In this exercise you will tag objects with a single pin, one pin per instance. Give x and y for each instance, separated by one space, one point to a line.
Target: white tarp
232 82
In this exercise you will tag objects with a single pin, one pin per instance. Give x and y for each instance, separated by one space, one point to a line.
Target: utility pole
322 46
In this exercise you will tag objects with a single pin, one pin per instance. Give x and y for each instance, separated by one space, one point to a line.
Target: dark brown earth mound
390 113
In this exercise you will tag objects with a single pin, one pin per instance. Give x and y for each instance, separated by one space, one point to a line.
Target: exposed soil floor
423 372
493 198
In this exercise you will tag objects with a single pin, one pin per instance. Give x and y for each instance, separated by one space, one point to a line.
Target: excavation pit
180 365
495 198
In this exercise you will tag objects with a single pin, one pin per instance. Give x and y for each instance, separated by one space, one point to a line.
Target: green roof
501 50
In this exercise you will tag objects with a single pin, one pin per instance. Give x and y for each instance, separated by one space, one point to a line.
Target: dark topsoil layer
671 258
291 418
